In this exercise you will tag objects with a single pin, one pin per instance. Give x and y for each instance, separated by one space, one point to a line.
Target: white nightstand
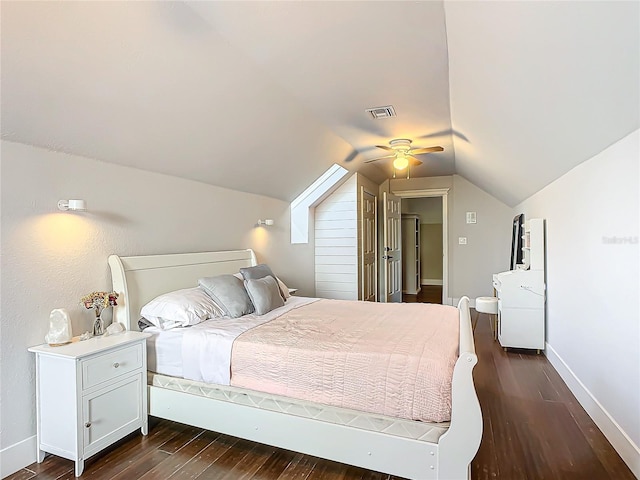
90 394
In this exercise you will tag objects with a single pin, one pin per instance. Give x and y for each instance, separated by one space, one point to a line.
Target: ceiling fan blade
414 161
384 147
420 151
379 158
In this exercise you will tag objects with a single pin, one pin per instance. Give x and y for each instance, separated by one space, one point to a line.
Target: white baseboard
430 281
17 456
618 438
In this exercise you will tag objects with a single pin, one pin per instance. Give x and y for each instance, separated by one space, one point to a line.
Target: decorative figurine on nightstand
59 328
99 301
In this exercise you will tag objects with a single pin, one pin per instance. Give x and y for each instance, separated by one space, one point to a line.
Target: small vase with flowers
98 301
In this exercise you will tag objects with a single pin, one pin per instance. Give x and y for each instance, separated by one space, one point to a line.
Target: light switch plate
462 240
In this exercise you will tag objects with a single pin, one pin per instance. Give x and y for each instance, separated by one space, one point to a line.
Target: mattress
399 427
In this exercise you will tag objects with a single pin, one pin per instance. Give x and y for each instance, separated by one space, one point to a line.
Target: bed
411 449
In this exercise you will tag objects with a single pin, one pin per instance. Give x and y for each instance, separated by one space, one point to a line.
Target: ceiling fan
403 154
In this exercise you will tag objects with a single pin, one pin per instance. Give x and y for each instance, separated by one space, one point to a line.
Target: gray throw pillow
264 293
229 293
260 271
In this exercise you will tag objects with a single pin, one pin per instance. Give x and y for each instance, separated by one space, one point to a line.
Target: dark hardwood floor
533 429
427 294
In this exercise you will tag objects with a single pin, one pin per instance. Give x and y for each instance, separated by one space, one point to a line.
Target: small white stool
489 305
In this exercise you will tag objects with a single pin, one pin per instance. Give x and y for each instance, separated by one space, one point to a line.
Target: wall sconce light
73 205
268 222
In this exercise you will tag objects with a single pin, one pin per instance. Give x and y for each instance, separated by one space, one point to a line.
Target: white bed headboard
137 280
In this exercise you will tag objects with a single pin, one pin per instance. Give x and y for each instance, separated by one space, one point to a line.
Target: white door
369 267
392 248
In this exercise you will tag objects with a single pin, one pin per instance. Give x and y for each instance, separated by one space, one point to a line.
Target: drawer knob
87 425
116 365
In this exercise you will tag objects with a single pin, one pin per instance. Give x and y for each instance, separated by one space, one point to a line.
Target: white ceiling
264 96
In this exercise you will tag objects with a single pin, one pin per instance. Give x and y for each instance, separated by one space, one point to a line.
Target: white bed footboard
462 440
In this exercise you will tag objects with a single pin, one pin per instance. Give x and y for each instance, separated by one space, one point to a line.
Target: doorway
431 288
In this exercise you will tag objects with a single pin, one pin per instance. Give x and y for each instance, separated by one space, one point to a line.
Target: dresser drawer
111 365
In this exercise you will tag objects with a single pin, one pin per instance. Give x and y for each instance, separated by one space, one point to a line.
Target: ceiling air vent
381 112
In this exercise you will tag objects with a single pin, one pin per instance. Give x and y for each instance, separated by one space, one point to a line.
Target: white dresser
522 292
90 394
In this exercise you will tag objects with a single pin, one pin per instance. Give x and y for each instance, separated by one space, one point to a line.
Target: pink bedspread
390 359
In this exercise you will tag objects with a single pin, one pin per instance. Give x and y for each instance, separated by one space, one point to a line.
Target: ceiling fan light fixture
403 155
401 162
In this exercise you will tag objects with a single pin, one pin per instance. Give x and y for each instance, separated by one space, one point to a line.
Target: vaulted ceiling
264 96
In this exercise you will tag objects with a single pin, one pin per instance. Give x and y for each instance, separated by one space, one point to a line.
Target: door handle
387 257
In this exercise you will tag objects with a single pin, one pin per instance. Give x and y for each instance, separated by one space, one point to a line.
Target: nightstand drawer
113 364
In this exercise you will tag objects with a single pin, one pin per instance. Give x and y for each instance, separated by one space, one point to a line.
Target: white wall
429 209
471 266
336 243
488 241
51 258
593 325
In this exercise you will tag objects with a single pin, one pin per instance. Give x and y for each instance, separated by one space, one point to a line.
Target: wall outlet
462 240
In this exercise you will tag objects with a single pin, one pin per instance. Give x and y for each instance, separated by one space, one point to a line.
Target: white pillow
181 308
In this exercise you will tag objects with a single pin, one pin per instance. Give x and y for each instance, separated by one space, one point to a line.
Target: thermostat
471 217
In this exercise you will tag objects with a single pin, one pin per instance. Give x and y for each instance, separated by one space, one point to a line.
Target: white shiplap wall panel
339 196
336 252
345 206
335 294
347 287
342 233
332 268
336 242
336 277
335 224
347 251
333 215
335 260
